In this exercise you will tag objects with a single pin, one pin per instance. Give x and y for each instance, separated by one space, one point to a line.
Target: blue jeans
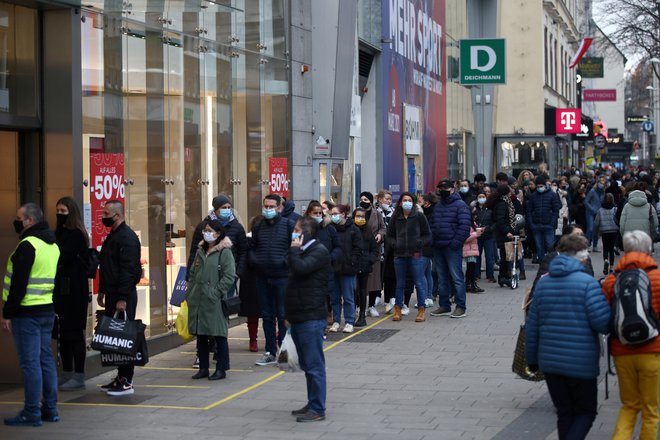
576 401
544 237
488 247
450 273
418 266
32 336
343 293
589 218
428 274
271 300
308 337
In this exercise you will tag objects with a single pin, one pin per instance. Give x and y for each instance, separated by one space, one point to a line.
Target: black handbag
117 335
140 359
520 366
231 304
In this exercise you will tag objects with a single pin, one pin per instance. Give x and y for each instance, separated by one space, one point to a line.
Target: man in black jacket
119 272
309 272
271 239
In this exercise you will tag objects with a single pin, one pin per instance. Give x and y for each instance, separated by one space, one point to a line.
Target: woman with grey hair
637 366
566 316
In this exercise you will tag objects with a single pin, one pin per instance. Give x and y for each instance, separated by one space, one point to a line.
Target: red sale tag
279 176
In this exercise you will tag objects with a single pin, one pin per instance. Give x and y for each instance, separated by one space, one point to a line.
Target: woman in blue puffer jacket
567 313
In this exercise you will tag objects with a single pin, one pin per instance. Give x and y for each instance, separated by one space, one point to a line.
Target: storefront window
522 155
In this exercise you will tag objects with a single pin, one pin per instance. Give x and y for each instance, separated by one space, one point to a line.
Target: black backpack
633 320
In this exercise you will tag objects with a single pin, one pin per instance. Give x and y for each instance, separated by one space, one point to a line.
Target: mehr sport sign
483 61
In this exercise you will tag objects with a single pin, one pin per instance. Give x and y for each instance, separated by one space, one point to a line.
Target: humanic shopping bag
140 359
116 335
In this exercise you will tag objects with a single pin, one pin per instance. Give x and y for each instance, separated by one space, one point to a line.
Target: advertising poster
279 176
414 75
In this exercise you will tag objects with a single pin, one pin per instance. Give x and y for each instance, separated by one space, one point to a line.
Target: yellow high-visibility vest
42 275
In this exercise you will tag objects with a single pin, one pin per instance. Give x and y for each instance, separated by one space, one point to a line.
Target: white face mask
209 237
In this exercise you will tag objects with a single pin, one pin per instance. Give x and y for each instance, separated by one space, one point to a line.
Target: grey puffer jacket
605 221
635 214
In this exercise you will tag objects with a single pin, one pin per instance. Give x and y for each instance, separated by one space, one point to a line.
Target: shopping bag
116 335
520 366
180 288
140 359
509 247
287 356
181 322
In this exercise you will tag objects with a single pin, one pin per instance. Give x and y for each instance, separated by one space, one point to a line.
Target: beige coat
377 226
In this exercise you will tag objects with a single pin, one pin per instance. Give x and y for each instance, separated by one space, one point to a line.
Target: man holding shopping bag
309 273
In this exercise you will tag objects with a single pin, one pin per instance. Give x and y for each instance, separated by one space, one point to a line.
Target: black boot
202 373
219 374
361 321
476 288
468 287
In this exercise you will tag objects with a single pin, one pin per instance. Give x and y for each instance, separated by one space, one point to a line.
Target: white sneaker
378 302
428 303
335 327
405 311
389 306
348 328
373 312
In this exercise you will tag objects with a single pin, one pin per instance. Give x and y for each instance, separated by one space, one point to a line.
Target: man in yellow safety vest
28 313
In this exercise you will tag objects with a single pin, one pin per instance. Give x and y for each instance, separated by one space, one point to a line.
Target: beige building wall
519 103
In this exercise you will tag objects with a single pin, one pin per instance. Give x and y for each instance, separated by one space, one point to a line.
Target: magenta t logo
568 120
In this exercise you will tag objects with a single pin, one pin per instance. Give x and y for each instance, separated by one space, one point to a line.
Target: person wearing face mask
28 314
450 228
119 273
563 210
375 224
464 192
562 336
327 236
343 294
593 203
271 241
408 234
384 206
542 216
212 277
370 255
71 294
483 218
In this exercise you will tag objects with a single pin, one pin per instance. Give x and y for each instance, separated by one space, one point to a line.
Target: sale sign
106 172
279 176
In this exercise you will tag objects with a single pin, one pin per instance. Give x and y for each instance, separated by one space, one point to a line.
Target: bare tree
633 25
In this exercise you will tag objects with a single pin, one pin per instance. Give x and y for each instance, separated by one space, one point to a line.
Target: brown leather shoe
397 313
522 276
421 314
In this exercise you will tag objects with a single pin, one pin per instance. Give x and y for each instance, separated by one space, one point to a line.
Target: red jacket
636 260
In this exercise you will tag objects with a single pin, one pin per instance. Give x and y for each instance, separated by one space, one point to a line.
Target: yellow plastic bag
182 323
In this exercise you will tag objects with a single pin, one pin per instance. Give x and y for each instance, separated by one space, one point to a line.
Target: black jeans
609 241
576 402
222 346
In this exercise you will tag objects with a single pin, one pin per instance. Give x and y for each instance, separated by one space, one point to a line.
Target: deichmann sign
599 95
483 61
568 120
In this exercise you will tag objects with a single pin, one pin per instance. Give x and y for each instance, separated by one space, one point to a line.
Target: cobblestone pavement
441 379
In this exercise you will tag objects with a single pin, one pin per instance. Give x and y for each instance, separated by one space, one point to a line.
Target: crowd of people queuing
330 268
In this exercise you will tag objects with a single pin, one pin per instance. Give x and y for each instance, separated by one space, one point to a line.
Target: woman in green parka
212 275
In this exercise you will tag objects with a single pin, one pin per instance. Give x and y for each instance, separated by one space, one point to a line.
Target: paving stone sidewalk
442 379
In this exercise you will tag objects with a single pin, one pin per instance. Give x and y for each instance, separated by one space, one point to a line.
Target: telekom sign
568 120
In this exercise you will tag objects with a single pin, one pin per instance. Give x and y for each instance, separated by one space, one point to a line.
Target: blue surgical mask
481 200
318 219
541 189
225 213
294 235
407 206
269 213
209 237
463 189
336 218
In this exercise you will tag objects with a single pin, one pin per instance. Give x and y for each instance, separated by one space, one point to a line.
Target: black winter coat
408 236
120 269
247 290
543 209
350 238
328 237
71 294
501 221
483 217
307 288
271 240
236 233
370 250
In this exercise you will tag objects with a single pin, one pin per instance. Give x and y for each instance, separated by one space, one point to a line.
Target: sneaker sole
459 316
121 393
440 314
265 364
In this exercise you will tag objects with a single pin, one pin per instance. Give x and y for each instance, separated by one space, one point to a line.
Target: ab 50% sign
279 176
106 172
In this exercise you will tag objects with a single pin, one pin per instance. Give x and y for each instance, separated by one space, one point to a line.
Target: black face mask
107 221
365 205
445 194
18 226
61 219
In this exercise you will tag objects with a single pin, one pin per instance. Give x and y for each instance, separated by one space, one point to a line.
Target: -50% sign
279 176
108 186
